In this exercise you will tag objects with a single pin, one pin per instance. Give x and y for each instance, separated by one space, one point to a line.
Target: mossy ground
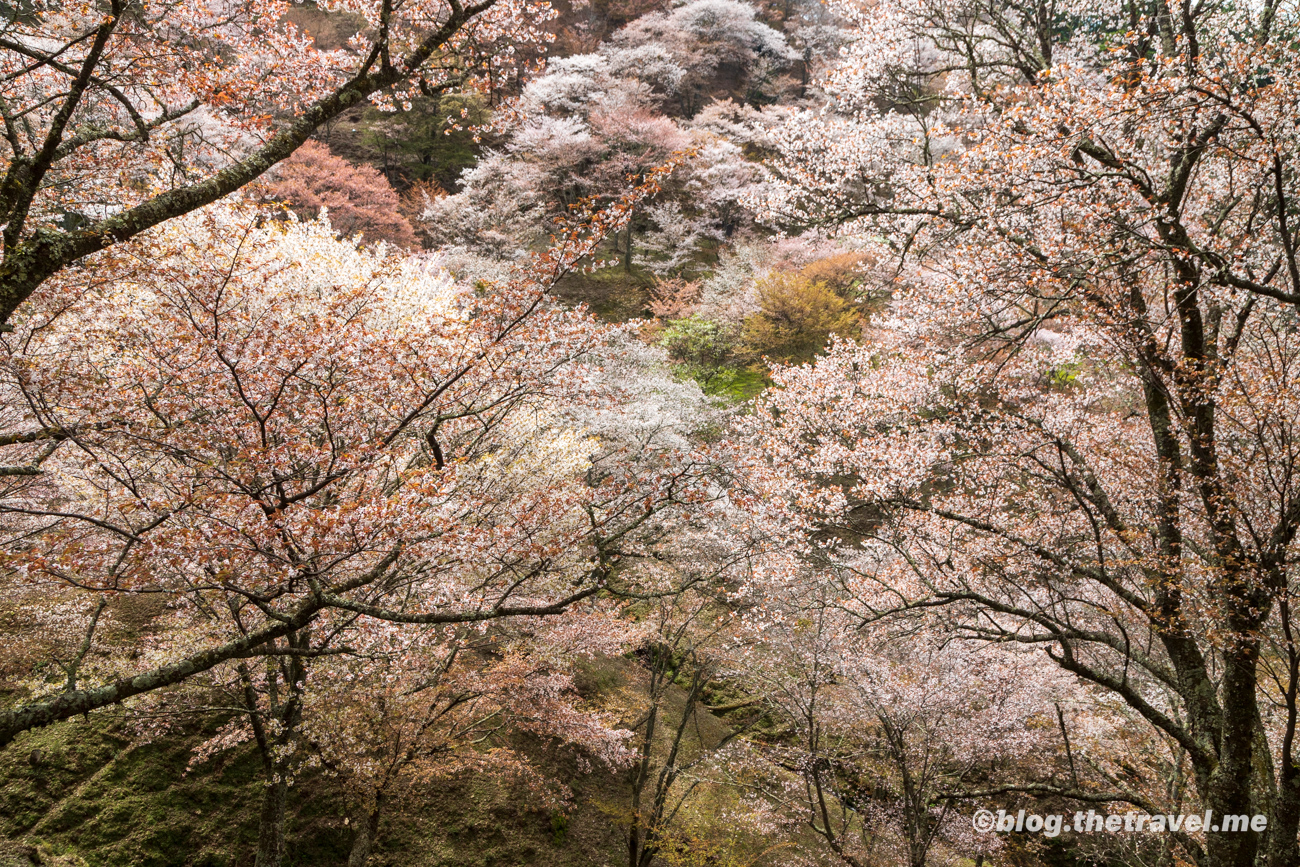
84 793
84 788
613 294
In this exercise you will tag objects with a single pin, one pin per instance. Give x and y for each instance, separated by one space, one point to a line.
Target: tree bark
274 743
270 833
367 832
627 259
1284 818
1230 782
1284 824
82 701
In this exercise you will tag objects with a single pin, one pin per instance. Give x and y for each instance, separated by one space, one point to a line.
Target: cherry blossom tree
884 735
357 199
382 707
583 134
118 118
592 121
677 668
682 51
1077 432
254 482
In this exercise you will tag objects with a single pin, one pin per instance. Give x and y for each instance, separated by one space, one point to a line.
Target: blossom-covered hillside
649 433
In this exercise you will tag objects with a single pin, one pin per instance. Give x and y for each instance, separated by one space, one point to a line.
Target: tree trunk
367 832
1230 782
1284 820
1284 824
270 835
276 764
627 259
633 845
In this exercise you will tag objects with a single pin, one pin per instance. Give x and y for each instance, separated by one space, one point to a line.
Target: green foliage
1064 377
737 384
415 145
559 827
420 144
708 352
796 318
700 344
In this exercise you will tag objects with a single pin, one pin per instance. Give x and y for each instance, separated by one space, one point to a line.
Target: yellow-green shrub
796 318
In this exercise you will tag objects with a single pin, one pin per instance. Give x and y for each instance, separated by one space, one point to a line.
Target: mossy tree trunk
274 707
270 833
367 833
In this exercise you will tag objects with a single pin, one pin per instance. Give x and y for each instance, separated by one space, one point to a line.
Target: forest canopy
649 432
